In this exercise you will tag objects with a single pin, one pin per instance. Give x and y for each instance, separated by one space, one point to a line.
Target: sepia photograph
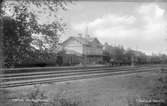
83 53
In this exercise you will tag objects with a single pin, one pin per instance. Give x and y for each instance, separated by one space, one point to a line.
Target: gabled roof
86 41
81 40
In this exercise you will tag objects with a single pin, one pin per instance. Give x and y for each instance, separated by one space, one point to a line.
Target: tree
129 56
15 45
52 5
26 23
1 35
118 54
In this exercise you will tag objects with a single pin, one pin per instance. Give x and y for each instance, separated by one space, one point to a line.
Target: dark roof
88 41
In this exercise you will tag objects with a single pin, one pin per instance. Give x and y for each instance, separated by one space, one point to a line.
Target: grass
118 90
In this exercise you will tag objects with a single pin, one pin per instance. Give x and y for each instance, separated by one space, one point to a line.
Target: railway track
59 74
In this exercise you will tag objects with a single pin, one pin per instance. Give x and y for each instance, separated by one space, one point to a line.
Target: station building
85 50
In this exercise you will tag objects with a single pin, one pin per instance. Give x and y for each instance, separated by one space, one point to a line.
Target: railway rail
34 76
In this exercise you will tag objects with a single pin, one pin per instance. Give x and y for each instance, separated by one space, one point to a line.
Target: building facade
86 50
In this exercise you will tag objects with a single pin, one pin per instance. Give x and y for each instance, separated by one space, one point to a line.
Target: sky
136 25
